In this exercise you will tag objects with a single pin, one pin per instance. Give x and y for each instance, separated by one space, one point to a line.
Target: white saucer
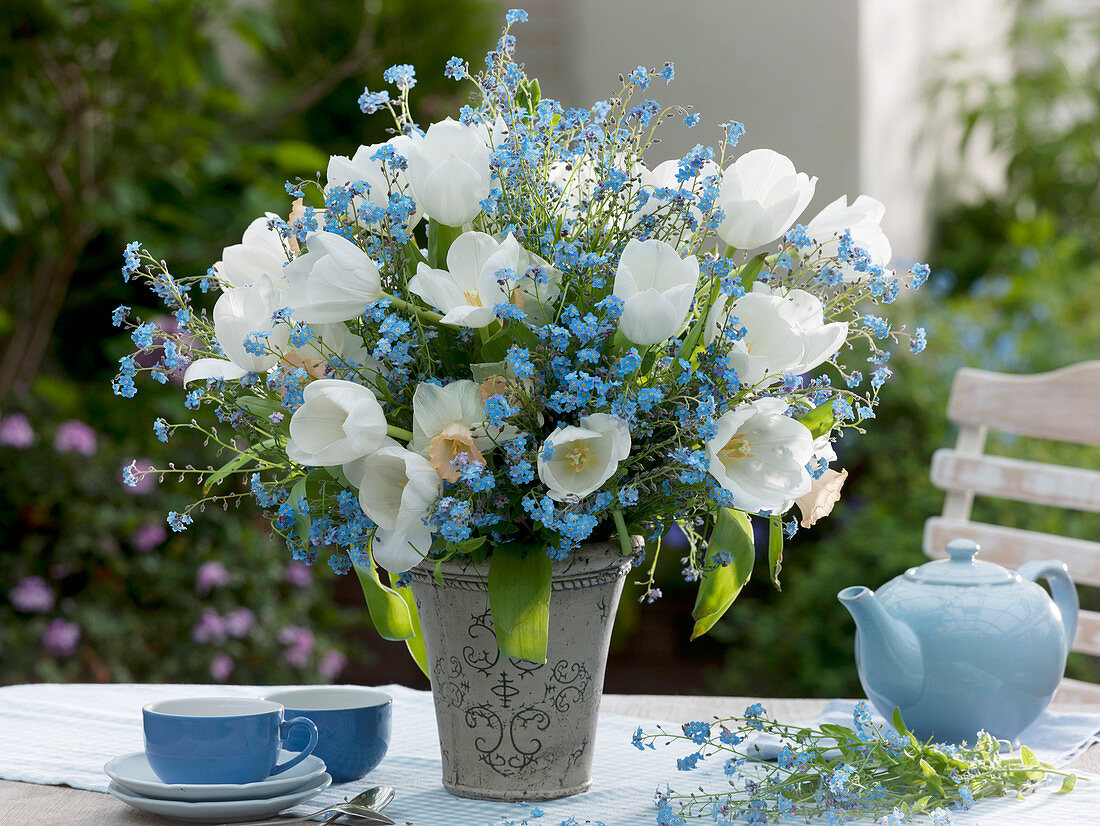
134 774
220 811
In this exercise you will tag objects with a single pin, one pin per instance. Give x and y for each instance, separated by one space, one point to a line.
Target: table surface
29 803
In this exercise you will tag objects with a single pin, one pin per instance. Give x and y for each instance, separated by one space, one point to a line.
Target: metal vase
511 729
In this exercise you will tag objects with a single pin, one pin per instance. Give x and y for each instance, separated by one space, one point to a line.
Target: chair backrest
1063 405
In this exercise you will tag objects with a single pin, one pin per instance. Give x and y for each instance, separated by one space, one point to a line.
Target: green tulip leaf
519 598
820 420
747 274
440 238
259 407
720 585
388 609
775 550
415 643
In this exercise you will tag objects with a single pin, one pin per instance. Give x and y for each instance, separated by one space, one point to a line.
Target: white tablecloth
63 734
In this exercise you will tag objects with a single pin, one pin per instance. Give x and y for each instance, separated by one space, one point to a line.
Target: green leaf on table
899 723
415 643
720 584
519 598
1068 782
1027 757
775 549
388 609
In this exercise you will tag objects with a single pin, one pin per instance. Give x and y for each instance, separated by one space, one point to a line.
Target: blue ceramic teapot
962 645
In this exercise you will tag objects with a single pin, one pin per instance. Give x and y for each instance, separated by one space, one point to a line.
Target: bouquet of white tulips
506 335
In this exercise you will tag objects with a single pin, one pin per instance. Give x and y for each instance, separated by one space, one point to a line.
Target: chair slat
1087 640
1017 479
1059 405
1075 692
1011 546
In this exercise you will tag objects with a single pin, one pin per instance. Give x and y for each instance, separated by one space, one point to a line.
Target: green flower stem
624 534
398 432
424 315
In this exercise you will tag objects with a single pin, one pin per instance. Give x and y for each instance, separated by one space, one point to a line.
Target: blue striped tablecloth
63 734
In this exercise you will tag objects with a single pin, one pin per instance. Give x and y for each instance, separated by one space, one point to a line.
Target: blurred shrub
96 588
176 123
1045 120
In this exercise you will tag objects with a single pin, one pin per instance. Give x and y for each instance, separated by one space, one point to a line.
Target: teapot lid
961 568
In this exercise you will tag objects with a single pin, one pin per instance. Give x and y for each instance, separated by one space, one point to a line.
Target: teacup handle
284 729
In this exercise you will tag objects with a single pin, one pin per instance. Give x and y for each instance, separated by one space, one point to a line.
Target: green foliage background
174 122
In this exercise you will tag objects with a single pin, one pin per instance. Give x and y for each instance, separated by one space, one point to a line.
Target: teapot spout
888 653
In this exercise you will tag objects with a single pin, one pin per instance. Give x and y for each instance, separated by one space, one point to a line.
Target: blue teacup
221 739
353 726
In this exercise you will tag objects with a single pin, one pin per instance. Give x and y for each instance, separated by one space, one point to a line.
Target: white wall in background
838 86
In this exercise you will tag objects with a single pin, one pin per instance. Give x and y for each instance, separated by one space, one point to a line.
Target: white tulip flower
759 456
863 219
343 171
396 486
447 422
656 287
333 281
449 171
664 176
397 551
335 341
338 422
261 252
238 313
583 458
472 285
760 196
783 333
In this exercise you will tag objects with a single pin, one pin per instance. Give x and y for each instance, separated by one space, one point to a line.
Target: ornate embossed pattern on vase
511 729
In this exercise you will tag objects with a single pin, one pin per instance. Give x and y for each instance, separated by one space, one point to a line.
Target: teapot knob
962 550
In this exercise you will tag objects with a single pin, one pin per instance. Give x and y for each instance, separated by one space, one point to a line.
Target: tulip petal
212 369
397 551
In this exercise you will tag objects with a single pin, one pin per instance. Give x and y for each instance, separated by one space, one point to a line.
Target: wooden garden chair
1063 405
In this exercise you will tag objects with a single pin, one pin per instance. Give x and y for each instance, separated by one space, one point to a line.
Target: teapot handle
1061 588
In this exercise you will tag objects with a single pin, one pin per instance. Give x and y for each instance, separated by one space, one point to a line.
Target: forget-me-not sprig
837 773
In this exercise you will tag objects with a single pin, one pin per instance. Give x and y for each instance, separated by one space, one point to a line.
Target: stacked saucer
135 783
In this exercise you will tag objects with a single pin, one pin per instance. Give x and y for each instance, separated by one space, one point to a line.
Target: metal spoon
364 805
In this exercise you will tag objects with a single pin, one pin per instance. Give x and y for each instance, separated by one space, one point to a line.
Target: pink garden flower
221 667
32 595
16 431
332 663
61 638
210 575
299 644
148 536
74 436
298 573
239 622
